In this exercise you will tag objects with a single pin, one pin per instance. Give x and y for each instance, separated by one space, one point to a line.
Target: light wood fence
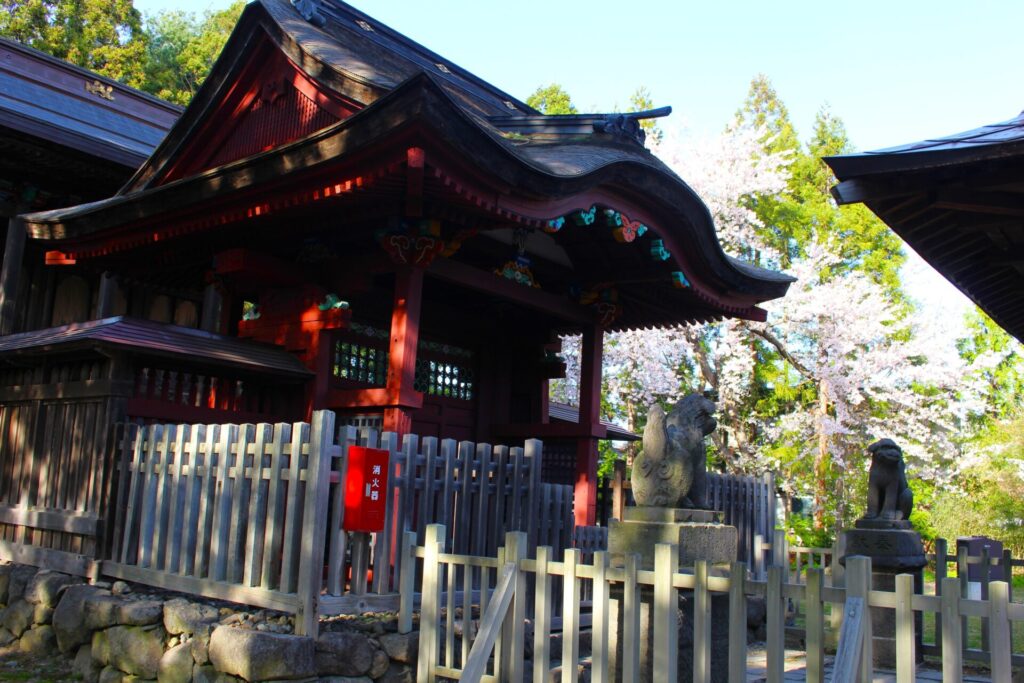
253 513
977 650
467 640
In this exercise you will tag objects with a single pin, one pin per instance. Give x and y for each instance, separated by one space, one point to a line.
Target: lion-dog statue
672 469
889 497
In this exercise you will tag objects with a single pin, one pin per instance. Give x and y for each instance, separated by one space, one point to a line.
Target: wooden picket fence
453 644
803 559
253 513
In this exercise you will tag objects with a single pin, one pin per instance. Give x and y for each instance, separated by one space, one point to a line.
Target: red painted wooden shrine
417 239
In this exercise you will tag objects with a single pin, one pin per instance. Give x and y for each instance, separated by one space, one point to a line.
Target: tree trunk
821 460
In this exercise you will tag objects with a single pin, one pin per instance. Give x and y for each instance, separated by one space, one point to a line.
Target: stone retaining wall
116 634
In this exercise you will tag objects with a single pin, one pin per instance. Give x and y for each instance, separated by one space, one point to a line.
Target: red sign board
366 489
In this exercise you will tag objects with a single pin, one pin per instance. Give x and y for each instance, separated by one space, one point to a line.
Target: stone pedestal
700 535
894 548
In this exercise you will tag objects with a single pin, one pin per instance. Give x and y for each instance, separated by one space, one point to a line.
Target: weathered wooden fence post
631 621
430 603
964 590
941 551
601 597
570 615
542 616
952 638
314 519
738 622
1000 629
514 630
665 643
906 655
407 582
814 617
858 585
701 624
776 610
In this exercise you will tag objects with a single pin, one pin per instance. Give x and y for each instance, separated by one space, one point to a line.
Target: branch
780 347
708 372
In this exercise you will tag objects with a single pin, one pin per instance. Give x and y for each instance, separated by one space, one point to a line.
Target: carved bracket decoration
679 280
420 242
603 298
415 251
273 91
623 228
518 270
100 90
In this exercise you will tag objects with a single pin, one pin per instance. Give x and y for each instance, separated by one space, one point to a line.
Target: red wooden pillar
405 335
585 497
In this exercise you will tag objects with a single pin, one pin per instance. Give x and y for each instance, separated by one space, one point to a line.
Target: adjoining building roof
158 339
52 100
958 201
568 413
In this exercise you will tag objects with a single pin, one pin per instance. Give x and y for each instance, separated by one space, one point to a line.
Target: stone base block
709 541
892 549
670 515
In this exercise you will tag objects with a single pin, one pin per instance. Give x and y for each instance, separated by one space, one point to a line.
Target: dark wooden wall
56 427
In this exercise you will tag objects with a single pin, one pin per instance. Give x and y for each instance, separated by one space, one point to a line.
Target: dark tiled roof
47 98
992 134
568 413
159 339
361 46
958 201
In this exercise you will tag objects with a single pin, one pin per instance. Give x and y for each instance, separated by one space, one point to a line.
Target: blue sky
895 71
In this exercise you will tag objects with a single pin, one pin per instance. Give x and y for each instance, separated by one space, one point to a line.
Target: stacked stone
116 635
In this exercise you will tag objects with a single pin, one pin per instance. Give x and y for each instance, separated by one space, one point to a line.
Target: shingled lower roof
158 339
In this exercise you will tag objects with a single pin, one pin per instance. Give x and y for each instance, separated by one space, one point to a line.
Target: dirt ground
15 666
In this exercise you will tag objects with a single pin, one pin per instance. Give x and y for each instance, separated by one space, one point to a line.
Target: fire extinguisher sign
366 489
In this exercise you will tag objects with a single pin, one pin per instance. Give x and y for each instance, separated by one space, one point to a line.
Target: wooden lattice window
444 378
361 363
361 357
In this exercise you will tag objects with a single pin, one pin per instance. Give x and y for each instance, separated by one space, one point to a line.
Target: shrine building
344 219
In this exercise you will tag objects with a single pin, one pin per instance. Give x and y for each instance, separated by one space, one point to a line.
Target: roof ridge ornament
310 11
628 124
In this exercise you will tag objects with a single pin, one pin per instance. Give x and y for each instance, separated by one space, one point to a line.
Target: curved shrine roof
482 147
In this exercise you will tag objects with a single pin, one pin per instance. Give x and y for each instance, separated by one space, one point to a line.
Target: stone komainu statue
889 497
671 470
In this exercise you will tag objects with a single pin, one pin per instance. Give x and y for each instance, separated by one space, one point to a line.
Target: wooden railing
456 649
185 396
239 512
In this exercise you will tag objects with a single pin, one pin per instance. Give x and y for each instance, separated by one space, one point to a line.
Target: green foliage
182 49
997 364
169 57
552 99
801 532
989 500
104 36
